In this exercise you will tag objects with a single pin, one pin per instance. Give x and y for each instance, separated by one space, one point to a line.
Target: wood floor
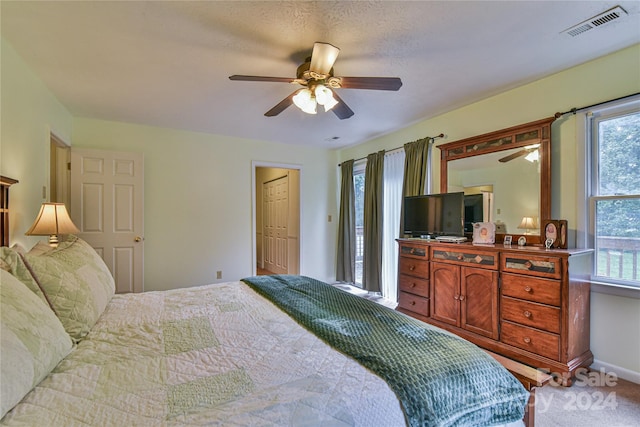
263 272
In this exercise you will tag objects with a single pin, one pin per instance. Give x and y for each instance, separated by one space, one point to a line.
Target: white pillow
76 281
32 341
12 261
40 248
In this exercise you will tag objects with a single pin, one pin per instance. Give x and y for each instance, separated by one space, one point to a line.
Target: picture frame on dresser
484 233
556 231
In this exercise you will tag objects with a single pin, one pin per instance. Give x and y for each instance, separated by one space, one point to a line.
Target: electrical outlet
219 274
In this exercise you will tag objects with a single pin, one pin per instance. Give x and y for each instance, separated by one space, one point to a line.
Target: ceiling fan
531 151
316 75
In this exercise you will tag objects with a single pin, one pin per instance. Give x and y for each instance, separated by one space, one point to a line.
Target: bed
263 351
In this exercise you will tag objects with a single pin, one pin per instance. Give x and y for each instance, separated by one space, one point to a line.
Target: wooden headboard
5 183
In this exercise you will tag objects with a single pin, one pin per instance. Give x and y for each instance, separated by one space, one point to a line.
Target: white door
107 205
275 224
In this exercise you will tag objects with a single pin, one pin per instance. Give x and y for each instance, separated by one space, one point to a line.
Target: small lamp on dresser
528 223
53 220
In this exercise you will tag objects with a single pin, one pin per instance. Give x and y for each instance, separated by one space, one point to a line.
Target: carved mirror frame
538 132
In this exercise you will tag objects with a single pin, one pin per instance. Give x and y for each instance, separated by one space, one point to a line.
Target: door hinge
68 166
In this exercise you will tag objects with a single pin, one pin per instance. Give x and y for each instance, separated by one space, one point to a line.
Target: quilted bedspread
213 355
441 379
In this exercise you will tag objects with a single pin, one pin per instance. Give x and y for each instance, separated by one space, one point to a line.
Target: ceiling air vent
597 21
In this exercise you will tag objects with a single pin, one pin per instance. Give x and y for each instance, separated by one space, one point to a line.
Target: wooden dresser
527 303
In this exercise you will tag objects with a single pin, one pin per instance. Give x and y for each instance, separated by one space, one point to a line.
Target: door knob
138 239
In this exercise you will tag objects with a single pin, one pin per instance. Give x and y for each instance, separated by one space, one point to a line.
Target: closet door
276 225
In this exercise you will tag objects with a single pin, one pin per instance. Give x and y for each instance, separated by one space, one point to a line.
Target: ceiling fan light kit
308 99
305 101
316 74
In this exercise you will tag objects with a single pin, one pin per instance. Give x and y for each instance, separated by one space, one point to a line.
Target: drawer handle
461 297
413 284
456 297
412 267
527 289
526 340
527 314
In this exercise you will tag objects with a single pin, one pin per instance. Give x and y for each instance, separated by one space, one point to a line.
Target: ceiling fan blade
373 83
281 106
261 79
341 109
323 57
513 156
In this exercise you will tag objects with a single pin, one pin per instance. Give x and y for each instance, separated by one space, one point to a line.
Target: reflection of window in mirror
60 172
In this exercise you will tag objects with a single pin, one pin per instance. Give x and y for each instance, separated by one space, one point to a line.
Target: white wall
29 114
198 200
198 204
606 78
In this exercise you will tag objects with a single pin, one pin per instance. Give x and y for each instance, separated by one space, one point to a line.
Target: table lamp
52 220
528 223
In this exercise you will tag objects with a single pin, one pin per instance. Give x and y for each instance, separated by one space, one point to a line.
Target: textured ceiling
167 63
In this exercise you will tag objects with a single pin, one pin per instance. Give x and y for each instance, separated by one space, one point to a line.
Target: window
614 196
358 186
392 198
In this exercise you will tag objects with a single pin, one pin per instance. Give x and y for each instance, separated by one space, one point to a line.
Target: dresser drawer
532 265
413 267
543 343
414 285
414 303
414 250
466 256
532 314
545 291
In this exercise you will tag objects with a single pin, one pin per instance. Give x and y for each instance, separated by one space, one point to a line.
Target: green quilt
439 378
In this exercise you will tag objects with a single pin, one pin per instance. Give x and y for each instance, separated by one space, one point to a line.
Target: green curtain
417 171
373 199
346 226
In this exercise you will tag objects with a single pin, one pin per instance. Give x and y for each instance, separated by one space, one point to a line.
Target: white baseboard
625 374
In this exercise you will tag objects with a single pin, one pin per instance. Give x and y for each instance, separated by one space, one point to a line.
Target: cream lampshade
52 220
528 223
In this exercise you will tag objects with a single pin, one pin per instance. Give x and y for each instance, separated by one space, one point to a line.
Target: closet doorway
276 195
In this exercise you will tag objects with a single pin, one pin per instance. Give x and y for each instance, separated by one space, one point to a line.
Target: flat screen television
432 215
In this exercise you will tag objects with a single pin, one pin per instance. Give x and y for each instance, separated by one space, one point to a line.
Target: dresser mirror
511 168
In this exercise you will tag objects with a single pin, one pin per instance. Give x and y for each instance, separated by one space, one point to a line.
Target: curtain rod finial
433 138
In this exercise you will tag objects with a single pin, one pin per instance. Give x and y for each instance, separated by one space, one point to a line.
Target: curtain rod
431 139
575 110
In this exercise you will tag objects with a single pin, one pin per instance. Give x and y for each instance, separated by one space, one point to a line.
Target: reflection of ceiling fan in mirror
316 75
530 151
